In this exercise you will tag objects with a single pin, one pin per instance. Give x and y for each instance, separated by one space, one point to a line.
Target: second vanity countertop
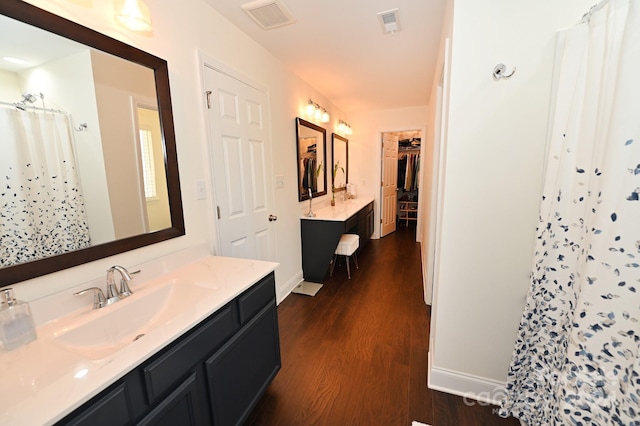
342 211
42 382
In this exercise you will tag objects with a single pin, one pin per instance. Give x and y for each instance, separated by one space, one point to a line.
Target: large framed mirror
340 156
312 159
104 176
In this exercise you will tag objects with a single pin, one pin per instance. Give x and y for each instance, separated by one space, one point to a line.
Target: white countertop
38 383
342 211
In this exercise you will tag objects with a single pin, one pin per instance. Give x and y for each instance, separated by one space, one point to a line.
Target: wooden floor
356 353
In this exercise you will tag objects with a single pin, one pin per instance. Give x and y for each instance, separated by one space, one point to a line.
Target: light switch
201 190
279 181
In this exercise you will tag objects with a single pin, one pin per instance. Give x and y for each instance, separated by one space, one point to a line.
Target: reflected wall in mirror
340 155
312 159
103 177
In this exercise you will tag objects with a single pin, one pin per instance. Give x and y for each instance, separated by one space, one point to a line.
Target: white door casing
389 183
240 147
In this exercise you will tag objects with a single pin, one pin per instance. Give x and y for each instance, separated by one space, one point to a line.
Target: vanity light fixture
344 128
317 112
134 14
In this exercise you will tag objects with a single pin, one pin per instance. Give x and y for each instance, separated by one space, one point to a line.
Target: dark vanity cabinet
213 374
320 238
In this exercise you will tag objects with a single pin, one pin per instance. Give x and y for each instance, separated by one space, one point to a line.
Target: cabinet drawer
352 223
256 298
365 211
164 372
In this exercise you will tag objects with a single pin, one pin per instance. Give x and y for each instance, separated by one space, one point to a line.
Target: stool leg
348 269
333 265
355 259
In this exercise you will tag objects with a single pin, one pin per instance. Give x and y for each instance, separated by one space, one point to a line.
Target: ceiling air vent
269 13
389 21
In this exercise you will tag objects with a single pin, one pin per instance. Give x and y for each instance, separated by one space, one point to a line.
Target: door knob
272 218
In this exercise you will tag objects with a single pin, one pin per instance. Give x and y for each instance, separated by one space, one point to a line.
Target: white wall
181 31
9 87
494 156
365 146
116 82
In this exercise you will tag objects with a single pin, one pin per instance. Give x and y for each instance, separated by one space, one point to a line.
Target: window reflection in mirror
151 171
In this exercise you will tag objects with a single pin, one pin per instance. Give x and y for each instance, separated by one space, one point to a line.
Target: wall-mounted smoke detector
269 13
390 21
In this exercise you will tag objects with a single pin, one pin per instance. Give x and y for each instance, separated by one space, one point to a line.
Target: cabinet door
109 409
239 373
179 408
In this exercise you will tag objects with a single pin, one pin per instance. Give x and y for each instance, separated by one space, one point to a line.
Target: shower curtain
41 207
577 354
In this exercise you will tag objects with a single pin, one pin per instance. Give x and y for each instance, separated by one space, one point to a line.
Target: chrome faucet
124 291
99 301
113 293
310 213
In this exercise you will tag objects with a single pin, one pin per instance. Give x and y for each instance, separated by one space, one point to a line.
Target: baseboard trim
472 388
289 286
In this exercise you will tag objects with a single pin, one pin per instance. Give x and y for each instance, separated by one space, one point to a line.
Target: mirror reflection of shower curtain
41 205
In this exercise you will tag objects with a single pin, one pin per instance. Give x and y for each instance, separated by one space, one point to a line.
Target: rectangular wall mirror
340 155
312 159
105 179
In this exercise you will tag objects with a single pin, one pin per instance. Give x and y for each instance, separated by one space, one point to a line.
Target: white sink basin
102 332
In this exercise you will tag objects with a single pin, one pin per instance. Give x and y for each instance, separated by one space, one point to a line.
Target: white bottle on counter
16 323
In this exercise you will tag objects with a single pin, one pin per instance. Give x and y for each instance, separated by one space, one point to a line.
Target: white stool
347 247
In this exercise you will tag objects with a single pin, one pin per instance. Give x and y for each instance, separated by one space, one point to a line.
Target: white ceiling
339 48
32 45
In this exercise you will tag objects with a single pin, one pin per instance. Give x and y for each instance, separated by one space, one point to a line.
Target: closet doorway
400 178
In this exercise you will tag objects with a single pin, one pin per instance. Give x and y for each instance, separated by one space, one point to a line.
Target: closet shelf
407 211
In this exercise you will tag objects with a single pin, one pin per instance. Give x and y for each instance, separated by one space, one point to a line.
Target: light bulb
134 14
310 109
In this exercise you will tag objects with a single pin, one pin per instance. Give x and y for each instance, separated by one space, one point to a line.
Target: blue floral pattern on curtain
577 354
42 210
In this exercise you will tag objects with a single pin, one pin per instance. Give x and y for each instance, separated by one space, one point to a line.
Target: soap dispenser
16 323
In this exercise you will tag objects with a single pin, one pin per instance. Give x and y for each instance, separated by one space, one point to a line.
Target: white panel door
239 142
389 183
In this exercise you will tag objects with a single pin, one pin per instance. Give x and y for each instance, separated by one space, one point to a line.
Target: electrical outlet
279 181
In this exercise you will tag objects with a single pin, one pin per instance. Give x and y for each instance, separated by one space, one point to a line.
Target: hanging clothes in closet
309 165
408 168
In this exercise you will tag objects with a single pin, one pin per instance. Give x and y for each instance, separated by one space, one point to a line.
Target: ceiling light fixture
12 60
317 112
134 14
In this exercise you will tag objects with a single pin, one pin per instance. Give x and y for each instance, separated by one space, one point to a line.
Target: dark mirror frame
344 140
302 195
40 18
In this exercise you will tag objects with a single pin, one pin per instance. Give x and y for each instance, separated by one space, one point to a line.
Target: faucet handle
99 301
124 284
112 290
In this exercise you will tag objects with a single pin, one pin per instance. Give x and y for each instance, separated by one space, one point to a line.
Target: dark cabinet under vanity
213 374
320 238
